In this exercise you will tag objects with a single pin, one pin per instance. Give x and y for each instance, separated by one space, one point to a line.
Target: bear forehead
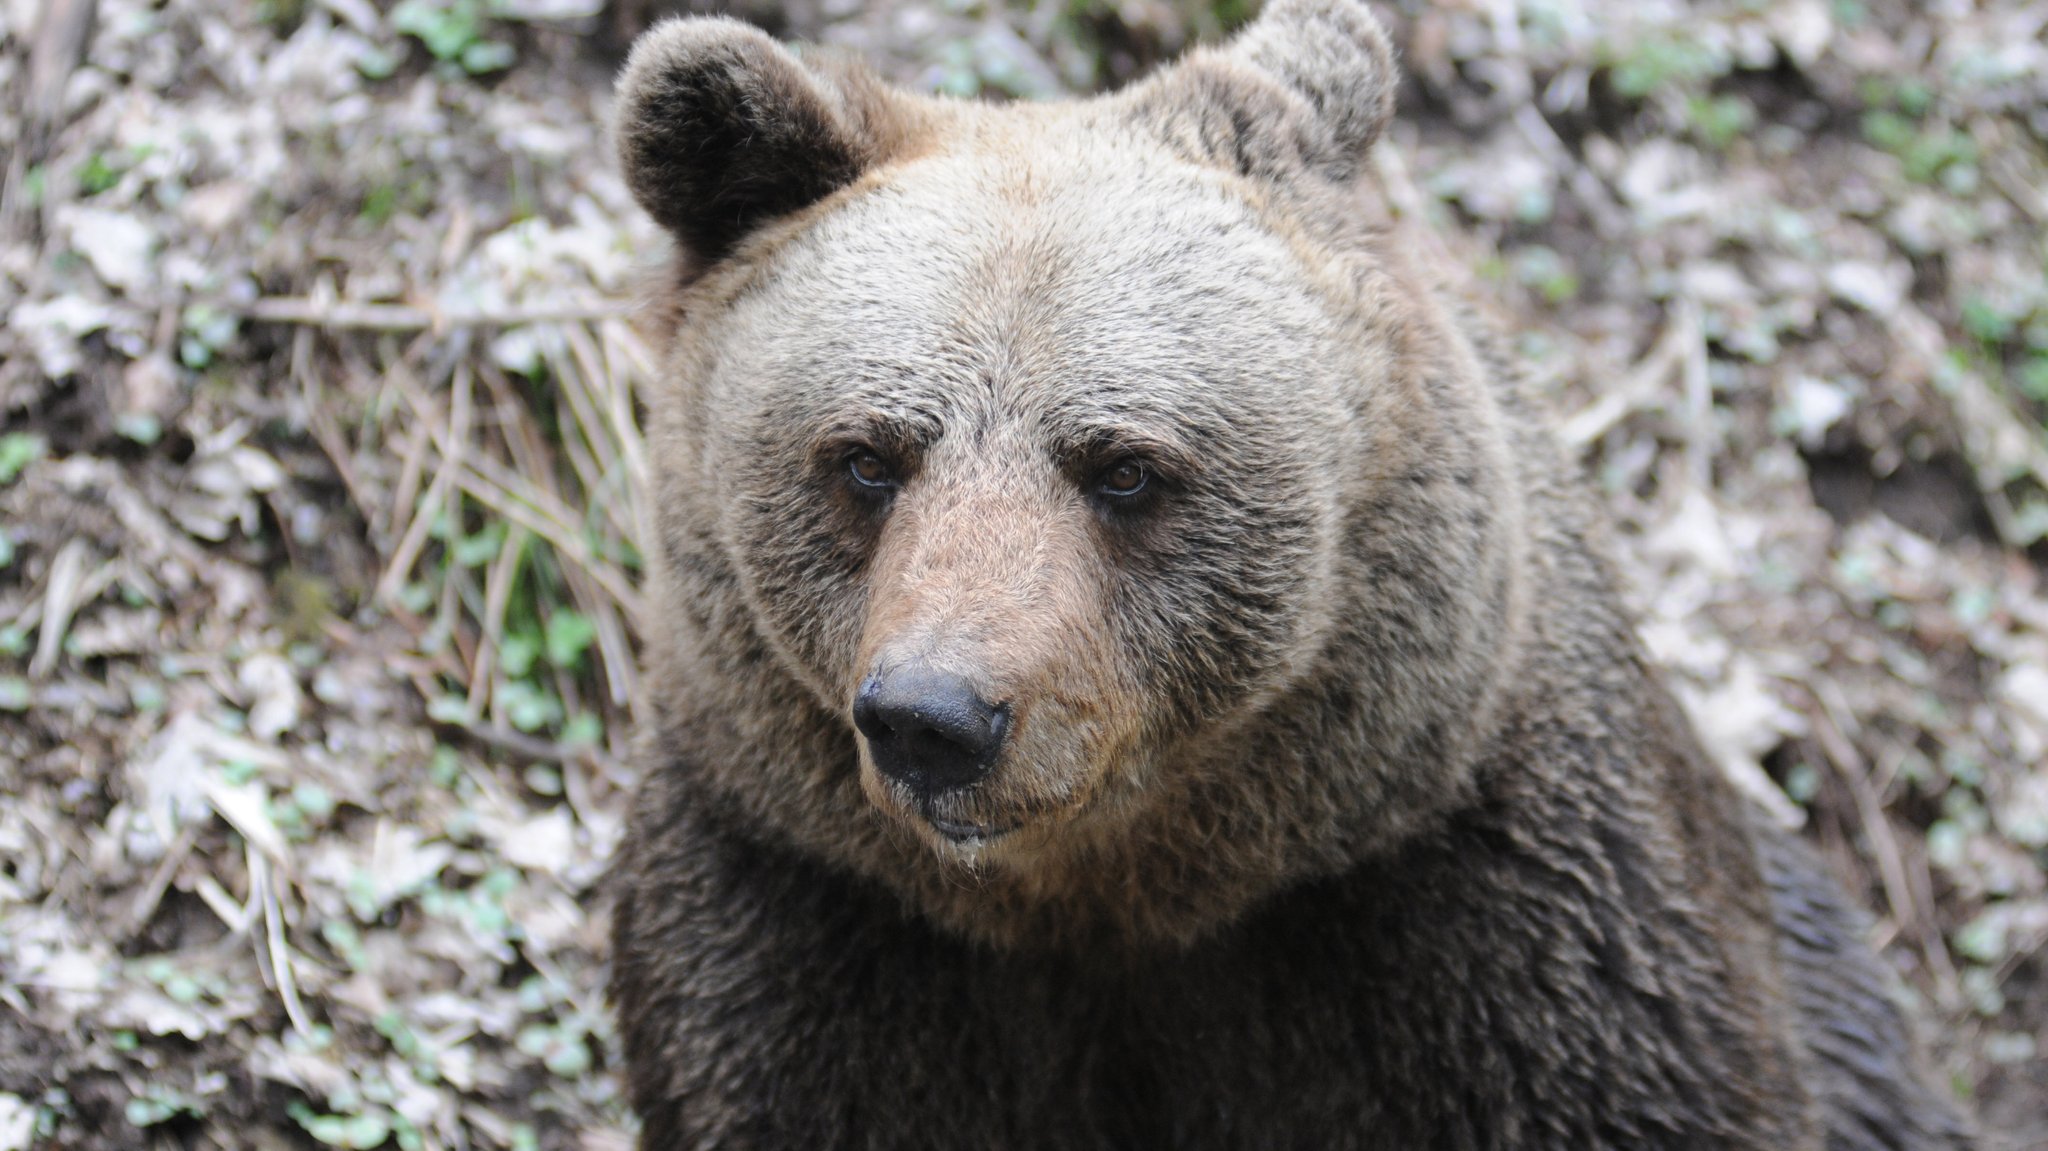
1084 270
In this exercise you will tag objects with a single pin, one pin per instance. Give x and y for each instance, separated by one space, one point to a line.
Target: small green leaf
445 31
1889 131
314 800
2033 380
146 1112
517 653
416 597
1802 783
375 63
569 634
530 708
1913 96
158 1106
361 894
140 427
487 56
211 326
1719 120
1986 322
97 175
1984 938
445 767
326 1129
481 548
583 729
535 1040
569 1060
17 451
1658 62
341 935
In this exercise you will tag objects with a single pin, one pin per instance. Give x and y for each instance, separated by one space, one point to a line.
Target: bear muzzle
932 732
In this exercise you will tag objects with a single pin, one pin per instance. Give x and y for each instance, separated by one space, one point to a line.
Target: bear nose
929 729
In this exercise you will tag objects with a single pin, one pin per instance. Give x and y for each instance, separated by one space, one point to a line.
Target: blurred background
320 477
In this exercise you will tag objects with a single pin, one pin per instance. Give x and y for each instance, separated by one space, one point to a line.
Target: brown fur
1339 808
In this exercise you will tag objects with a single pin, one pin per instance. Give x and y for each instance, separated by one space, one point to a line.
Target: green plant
204 331
160 1105
1662 61
359 1132
1802 783
34 183
378 204
542 642
2032 377
182 986
1231 15
281 15
564 1049
98 175
1908 95
1546 272
1897 122
2010 338
17 451
453 31
1986 322
1719 120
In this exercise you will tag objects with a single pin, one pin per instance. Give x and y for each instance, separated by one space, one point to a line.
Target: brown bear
1131 669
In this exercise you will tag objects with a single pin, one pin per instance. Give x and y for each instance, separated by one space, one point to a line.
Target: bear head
1080 517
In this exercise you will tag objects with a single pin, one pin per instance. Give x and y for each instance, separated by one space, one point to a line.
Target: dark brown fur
1341 809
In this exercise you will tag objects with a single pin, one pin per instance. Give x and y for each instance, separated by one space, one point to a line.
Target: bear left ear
1308 81
721 130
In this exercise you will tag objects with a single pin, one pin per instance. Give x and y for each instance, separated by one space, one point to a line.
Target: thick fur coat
1334 806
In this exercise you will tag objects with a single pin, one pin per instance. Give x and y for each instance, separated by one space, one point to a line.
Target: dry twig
345 315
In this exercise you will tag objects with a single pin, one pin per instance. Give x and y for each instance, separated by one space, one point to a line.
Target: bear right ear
721 130
1310 82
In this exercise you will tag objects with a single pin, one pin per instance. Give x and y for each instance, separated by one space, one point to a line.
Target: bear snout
929 730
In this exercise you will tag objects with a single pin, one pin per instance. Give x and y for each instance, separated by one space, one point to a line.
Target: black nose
929 729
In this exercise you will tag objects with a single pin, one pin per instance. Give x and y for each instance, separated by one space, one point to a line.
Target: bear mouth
965 834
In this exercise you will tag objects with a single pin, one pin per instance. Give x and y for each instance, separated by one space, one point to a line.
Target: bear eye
1126 477
870 470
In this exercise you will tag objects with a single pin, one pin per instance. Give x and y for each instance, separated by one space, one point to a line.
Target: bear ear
1308 81
720 130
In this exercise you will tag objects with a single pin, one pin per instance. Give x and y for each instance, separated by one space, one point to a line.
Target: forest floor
320 480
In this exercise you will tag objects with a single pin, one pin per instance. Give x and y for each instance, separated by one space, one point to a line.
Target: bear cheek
1087 738
804 567
1221 608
